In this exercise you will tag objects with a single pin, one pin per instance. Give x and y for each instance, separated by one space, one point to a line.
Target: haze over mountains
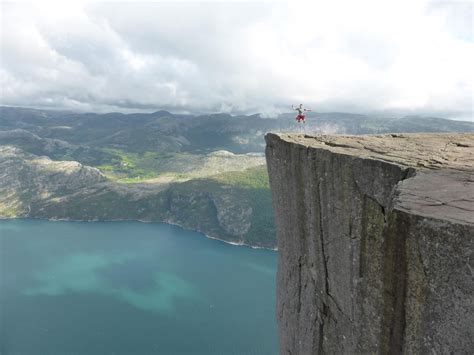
204 172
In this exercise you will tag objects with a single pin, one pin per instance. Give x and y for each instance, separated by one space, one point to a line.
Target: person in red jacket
301 117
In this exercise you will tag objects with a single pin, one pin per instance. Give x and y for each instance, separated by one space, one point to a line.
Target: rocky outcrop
26 179
234 217
375 236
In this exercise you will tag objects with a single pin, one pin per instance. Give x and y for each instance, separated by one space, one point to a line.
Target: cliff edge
375 236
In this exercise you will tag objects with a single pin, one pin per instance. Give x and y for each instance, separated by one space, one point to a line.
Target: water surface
131 288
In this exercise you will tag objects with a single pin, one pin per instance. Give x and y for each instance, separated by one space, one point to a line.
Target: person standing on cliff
301 117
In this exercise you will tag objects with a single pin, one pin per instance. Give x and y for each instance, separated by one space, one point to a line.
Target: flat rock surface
442 195
443 184
431 151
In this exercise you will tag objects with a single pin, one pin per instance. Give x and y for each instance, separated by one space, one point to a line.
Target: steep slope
375 235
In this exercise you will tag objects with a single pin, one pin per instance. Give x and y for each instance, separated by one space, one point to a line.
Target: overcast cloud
361 56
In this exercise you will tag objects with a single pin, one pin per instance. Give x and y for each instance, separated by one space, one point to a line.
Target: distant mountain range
204 172
166 132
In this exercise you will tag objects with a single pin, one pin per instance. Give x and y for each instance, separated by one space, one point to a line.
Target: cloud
411 56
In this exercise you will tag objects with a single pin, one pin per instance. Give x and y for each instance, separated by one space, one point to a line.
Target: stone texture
375 236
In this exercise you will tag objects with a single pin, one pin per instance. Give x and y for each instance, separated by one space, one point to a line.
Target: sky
387 57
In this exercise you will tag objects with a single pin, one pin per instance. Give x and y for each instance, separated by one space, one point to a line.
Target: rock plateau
375 238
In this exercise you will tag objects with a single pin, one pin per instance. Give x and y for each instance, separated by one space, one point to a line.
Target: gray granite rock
375 236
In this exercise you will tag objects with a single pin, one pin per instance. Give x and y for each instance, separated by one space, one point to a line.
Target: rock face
375 236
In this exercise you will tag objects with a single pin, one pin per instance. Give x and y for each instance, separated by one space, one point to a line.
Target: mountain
204 172
166 132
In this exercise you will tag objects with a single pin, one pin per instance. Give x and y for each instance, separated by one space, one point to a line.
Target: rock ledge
375 235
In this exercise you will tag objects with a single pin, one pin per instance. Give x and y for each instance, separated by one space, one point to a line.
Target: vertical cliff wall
375 236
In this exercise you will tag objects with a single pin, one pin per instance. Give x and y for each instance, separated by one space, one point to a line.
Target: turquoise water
131 288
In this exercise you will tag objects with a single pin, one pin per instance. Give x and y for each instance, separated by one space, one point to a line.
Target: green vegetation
243 190
8 212
252 178
128 167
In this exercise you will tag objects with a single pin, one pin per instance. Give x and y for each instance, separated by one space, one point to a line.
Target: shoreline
241 244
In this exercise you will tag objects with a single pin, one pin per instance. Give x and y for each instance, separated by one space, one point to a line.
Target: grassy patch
252 178
128 167
8 212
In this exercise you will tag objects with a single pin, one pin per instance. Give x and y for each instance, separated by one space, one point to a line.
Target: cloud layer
407 56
